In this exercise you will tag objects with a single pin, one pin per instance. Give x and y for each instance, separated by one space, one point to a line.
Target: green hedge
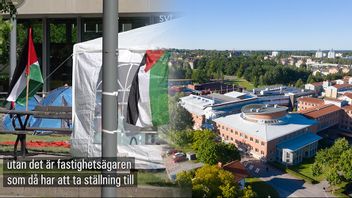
292 172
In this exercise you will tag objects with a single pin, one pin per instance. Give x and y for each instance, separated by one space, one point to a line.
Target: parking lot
172 168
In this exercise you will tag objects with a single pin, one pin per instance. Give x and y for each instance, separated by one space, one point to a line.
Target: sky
268 24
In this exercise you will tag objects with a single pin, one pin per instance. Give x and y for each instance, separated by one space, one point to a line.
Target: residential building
238 170
317 87
274 54
331 54
347 97
270 133
319 54
326 115
335 101
308 102
337 90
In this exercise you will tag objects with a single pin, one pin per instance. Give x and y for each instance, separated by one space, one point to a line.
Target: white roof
290 123
235 94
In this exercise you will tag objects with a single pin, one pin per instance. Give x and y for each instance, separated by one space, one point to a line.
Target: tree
345 164
180 118
184 178
248 192
182 138
299 83
240 71
211 152
333 177
212 181
200 136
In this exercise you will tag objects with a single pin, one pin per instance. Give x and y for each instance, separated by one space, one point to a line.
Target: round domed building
269 132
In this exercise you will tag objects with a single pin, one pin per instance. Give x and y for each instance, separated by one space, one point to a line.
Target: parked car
180 158
171 151
179 154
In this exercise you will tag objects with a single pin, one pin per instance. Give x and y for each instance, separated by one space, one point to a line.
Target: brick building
270 133
307 103
327 115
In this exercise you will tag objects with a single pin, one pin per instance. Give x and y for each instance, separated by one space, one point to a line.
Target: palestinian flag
148 99
28 67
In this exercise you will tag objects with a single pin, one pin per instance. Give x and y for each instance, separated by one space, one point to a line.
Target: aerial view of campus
175 98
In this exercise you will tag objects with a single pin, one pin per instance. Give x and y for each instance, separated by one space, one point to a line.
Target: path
285 184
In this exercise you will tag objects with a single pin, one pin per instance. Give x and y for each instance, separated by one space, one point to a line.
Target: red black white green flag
148 98
28 67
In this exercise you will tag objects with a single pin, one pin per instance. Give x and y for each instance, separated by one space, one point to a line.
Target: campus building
204 108
59 24
308 102
326 115
269 132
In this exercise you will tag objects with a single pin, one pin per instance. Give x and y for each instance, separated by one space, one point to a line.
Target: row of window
243 135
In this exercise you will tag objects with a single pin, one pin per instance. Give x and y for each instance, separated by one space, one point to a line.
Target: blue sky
269 24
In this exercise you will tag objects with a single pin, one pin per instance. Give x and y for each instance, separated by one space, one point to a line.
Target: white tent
87 62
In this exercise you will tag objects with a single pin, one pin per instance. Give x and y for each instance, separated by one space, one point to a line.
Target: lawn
46 138
305 168
244 83
154 178
261 188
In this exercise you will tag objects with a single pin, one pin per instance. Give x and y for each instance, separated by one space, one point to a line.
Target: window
262 152
231 131
222 135
236 132
262 143
241 134
256 150
227 137
256 141
251 139
246 137
231 138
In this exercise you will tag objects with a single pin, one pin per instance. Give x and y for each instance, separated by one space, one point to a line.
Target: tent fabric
61 96
87 63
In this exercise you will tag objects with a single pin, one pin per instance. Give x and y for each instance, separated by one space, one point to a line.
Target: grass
261 188
296 172
153 178
305 168
46 138
243 83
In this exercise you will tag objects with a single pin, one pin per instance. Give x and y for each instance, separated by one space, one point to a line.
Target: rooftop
259 109
288 124
299 141
237 169
311 100
348 94
319 111
340 86
347 108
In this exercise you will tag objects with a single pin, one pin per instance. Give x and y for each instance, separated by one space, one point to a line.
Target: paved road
285 184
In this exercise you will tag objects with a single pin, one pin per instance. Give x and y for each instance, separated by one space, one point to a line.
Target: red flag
32 55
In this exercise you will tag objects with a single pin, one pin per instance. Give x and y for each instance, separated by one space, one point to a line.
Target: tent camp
87 64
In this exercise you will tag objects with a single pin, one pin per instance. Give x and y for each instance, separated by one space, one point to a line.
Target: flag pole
27 91
110 86
27 70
